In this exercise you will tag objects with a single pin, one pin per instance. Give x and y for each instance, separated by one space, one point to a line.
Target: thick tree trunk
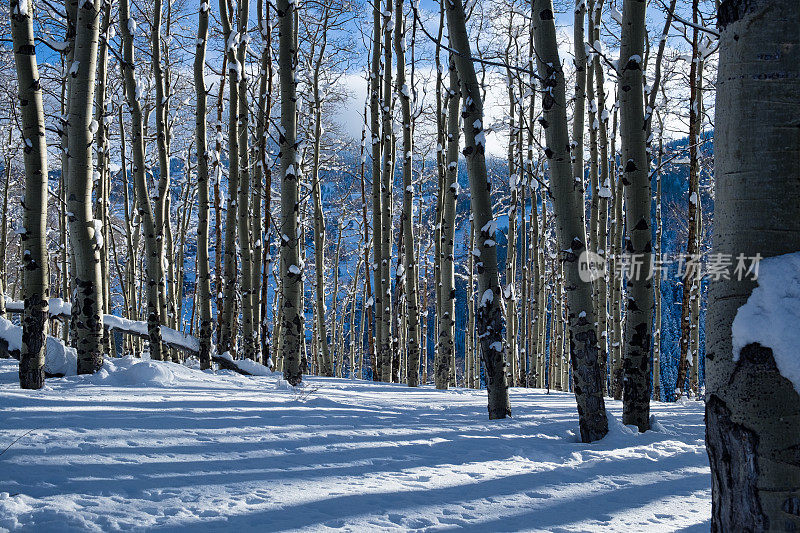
33 242
568 206
227 337
489 317
751 409
292 319
203 265
153 270
85 236
639 239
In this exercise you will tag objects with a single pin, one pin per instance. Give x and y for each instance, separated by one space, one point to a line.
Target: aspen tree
354 367
263 183
751 409
441 174
407 221
326 363
102 174
579 111
525 248
153 270
338 357
425 323
397 301
691 280
509 291
490 323
35 289
387 163
377 217
203 266
694 316
85 236
594 186
227 339
537 321
469 337
68 259
131 227
367 308
292 323
250 344
657 273
162 211
618 317
603 192
8 154
636 179
447 292
571 232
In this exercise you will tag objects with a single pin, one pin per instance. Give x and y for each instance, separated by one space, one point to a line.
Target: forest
510 265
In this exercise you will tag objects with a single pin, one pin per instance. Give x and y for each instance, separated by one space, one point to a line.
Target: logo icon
591 266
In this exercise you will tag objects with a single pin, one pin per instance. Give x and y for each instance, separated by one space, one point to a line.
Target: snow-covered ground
158 446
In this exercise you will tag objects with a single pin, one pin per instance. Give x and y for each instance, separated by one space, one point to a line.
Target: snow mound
128 371
133 372
11 334
772 314
253 367
60 359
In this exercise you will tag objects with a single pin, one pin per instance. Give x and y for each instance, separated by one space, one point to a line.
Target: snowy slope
158 446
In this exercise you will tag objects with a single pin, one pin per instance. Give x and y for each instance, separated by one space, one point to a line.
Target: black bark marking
732 451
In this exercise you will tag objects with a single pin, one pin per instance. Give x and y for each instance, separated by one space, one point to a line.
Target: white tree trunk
490 323
639 241
35 289
292 311
751 409
570 229
87 300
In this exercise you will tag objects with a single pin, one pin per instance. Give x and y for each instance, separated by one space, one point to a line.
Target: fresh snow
771 314
59 359
146 445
